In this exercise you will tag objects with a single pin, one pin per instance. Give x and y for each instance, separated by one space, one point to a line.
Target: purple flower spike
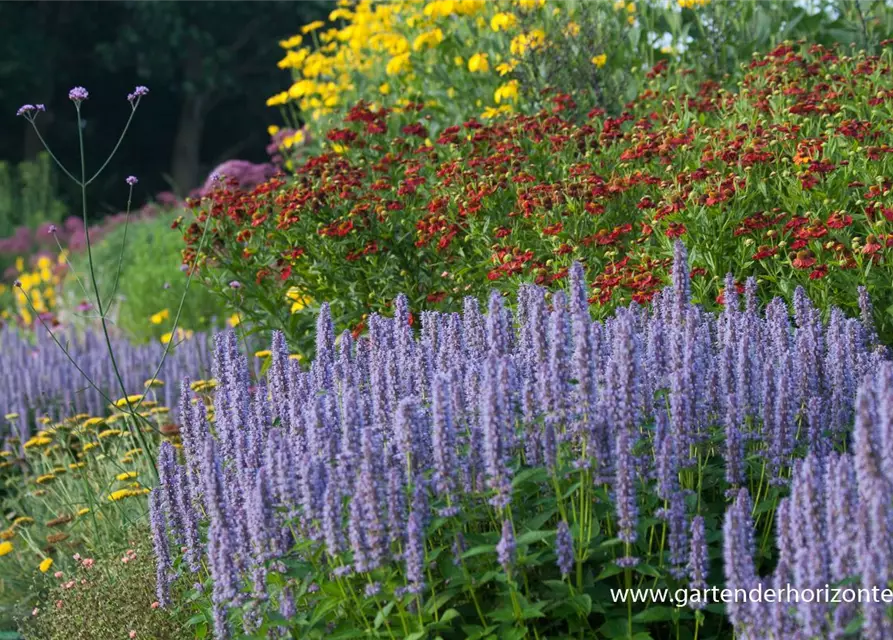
131 180
505 550
564 548
78 95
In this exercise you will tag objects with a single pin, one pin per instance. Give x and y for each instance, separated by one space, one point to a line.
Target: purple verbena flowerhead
131 180
51 230
138 93
17 283
26 110
78 95
235 284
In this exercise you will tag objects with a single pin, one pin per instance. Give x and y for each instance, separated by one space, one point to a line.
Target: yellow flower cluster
436 52
39 288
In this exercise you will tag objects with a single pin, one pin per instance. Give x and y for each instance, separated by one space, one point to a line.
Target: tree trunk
187 144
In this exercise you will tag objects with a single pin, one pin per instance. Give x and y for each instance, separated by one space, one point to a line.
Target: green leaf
582 603
656 614
534 536
383 613
479 549
609 570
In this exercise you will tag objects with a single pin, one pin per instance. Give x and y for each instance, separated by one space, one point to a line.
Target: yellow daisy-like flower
45 565
384 88
507 92
5 548
161 316
313 26
398 64
503 21
600 60
428 40
127 475
478 63
292 43
234 320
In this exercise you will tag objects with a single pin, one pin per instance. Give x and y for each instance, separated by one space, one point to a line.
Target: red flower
436 297
676 230
553 230
804 259
872 246
764 252
819 272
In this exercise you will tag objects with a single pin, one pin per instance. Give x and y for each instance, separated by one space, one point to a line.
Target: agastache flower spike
564 549
163 563
506 549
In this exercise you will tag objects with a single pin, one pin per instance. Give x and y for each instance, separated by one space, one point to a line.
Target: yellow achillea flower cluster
127 475
122 494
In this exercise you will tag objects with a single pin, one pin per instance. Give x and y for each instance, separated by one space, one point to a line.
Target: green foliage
151 280
27 195
110 598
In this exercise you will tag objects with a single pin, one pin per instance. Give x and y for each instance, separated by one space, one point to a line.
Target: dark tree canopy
209 65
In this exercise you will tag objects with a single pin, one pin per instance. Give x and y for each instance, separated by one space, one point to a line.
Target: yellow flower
234 320
264 353
631 7
428 40
459 60
299 300
440 8
45 479
384 88
5 547
572 30
108 433
291 43
23 521
491 112
127 475
478 63
11 416
600 60
313 26
45 565
131 399
503 21
525 42
84 511
76 465
161 316
90 445
8 534
153 383
92 422
398 64
37 441
508 91
121 494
